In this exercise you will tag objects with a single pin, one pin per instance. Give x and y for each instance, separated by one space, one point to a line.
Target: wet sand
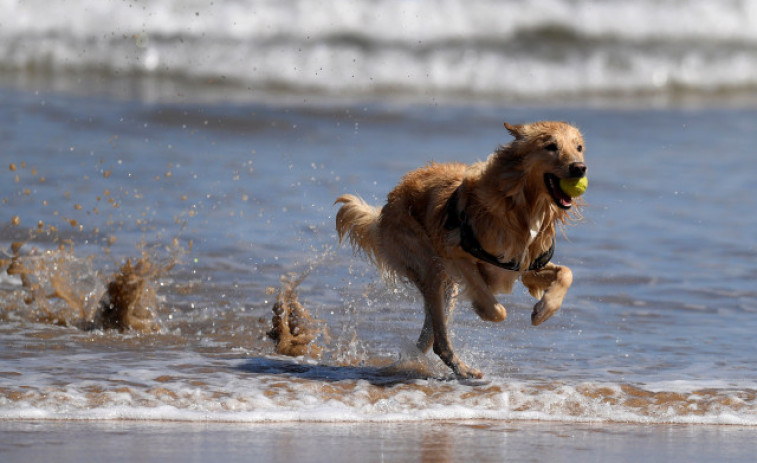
168 442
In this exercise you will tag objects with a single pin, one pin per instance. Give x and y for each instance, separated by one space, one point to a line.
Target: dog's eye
551 147
580 148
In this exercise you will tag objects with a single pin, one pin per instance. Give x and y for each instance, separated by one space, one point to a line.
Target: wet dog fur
513 204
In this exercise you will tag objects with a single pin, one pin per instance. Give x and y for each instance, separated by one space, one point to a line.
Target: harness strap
472 246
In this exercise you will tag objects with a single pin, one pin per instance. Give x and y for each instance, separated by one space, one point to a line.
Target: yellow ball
574 187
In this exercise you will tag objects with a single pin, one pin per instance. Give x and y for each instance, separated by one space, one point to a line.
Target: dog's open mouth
562 199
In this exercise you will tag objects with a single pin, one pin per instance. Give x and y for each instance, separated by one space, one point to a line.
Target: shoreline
382 422
439 442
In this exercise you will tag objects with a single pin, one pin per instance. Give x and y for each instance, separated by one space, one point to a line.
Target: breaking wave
508 49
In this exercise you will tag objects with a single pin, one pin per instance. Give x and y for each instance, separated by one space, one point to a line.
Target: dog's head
547 152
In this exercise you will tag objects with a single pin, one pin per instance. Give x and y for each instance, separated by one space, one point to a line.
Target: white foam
267 391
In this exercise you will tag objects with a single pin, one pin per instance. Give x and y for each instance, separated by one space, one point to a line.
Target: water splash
51 286
131 299
56 287
294 329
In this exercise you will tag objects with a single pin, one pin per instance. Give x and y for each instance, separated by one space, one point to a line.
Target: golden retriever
482 225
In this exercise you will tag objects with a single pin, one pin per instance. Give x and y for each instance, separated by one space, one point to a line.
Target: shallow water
657 327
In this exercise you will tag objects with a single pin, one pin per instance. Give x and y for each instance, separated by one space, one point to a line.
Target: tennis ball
574 187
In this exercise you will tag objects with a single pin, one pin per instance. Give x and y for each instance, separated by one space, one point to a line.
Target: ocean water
206 143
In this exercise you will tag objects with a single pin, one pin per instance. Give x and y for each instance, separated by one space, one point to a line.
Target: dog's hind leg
434 290
426 339
551 283
438 290
409 252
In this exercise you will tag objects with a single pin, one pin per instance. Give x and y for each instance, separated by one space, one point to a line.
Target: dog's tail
360 221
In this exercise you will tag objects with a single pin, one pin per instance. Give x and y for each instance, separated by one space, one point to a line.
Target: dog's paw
543 312
460 368
492 313
463 371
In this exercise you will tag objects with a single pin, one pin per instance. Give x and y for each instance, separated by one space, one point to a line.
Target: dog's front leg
484 303
551 282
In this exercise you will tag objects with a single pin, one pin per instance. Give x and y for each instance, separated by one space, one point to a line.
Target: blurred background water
481 50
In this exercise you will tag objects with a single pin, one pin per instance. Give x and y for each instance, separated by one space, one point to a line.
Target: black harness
471 245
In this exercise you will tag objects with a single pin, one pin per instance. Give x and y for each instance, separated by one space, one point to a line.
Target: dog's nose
577 169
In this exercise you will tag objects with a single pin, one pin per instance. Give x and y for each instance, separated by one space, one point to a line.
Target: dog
482 226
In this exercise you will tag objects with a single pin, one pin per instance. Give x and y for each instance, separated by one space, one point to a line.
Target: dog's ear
516 131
